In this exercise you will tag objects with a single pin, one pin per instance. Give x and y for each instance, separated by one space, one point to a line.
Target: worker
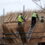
20 29
20 19
33 21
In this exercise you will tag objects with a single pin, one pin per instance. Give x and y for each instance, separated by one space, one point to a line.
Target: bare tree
36 2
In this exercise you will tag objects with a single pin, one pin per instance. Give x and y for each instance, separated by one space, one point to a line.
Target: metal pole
23 10
3 14
3 20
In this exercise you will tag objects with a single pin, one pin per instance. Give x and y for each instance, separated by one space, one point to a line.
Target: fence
19 37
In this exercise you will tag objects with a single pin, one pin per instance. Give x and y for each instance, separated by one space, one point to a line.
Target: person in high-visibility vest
20 19
20 28
33 22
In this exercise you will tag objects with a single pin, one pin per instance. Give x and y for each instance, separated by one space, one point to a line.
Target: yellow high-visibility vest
20 19
34 15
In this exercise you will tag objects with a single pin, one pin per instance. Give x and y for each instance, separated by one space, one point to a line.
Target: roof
39 30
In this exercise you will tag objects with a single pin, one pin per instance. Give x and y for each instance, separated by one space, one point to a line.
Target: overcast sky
17 5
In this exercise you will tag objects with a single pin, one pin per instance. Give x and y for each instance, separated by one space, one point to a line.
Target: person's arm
23 18
37 16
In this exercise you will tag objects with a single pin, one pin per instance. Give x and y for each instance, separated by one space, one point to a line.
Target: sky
17 5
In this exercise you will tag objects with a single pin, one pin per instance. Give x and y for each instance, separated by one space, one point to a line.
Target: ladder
30 33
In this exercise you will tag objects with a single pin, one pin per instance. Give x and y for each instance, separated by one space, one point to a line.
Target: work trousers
33 22
21 31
